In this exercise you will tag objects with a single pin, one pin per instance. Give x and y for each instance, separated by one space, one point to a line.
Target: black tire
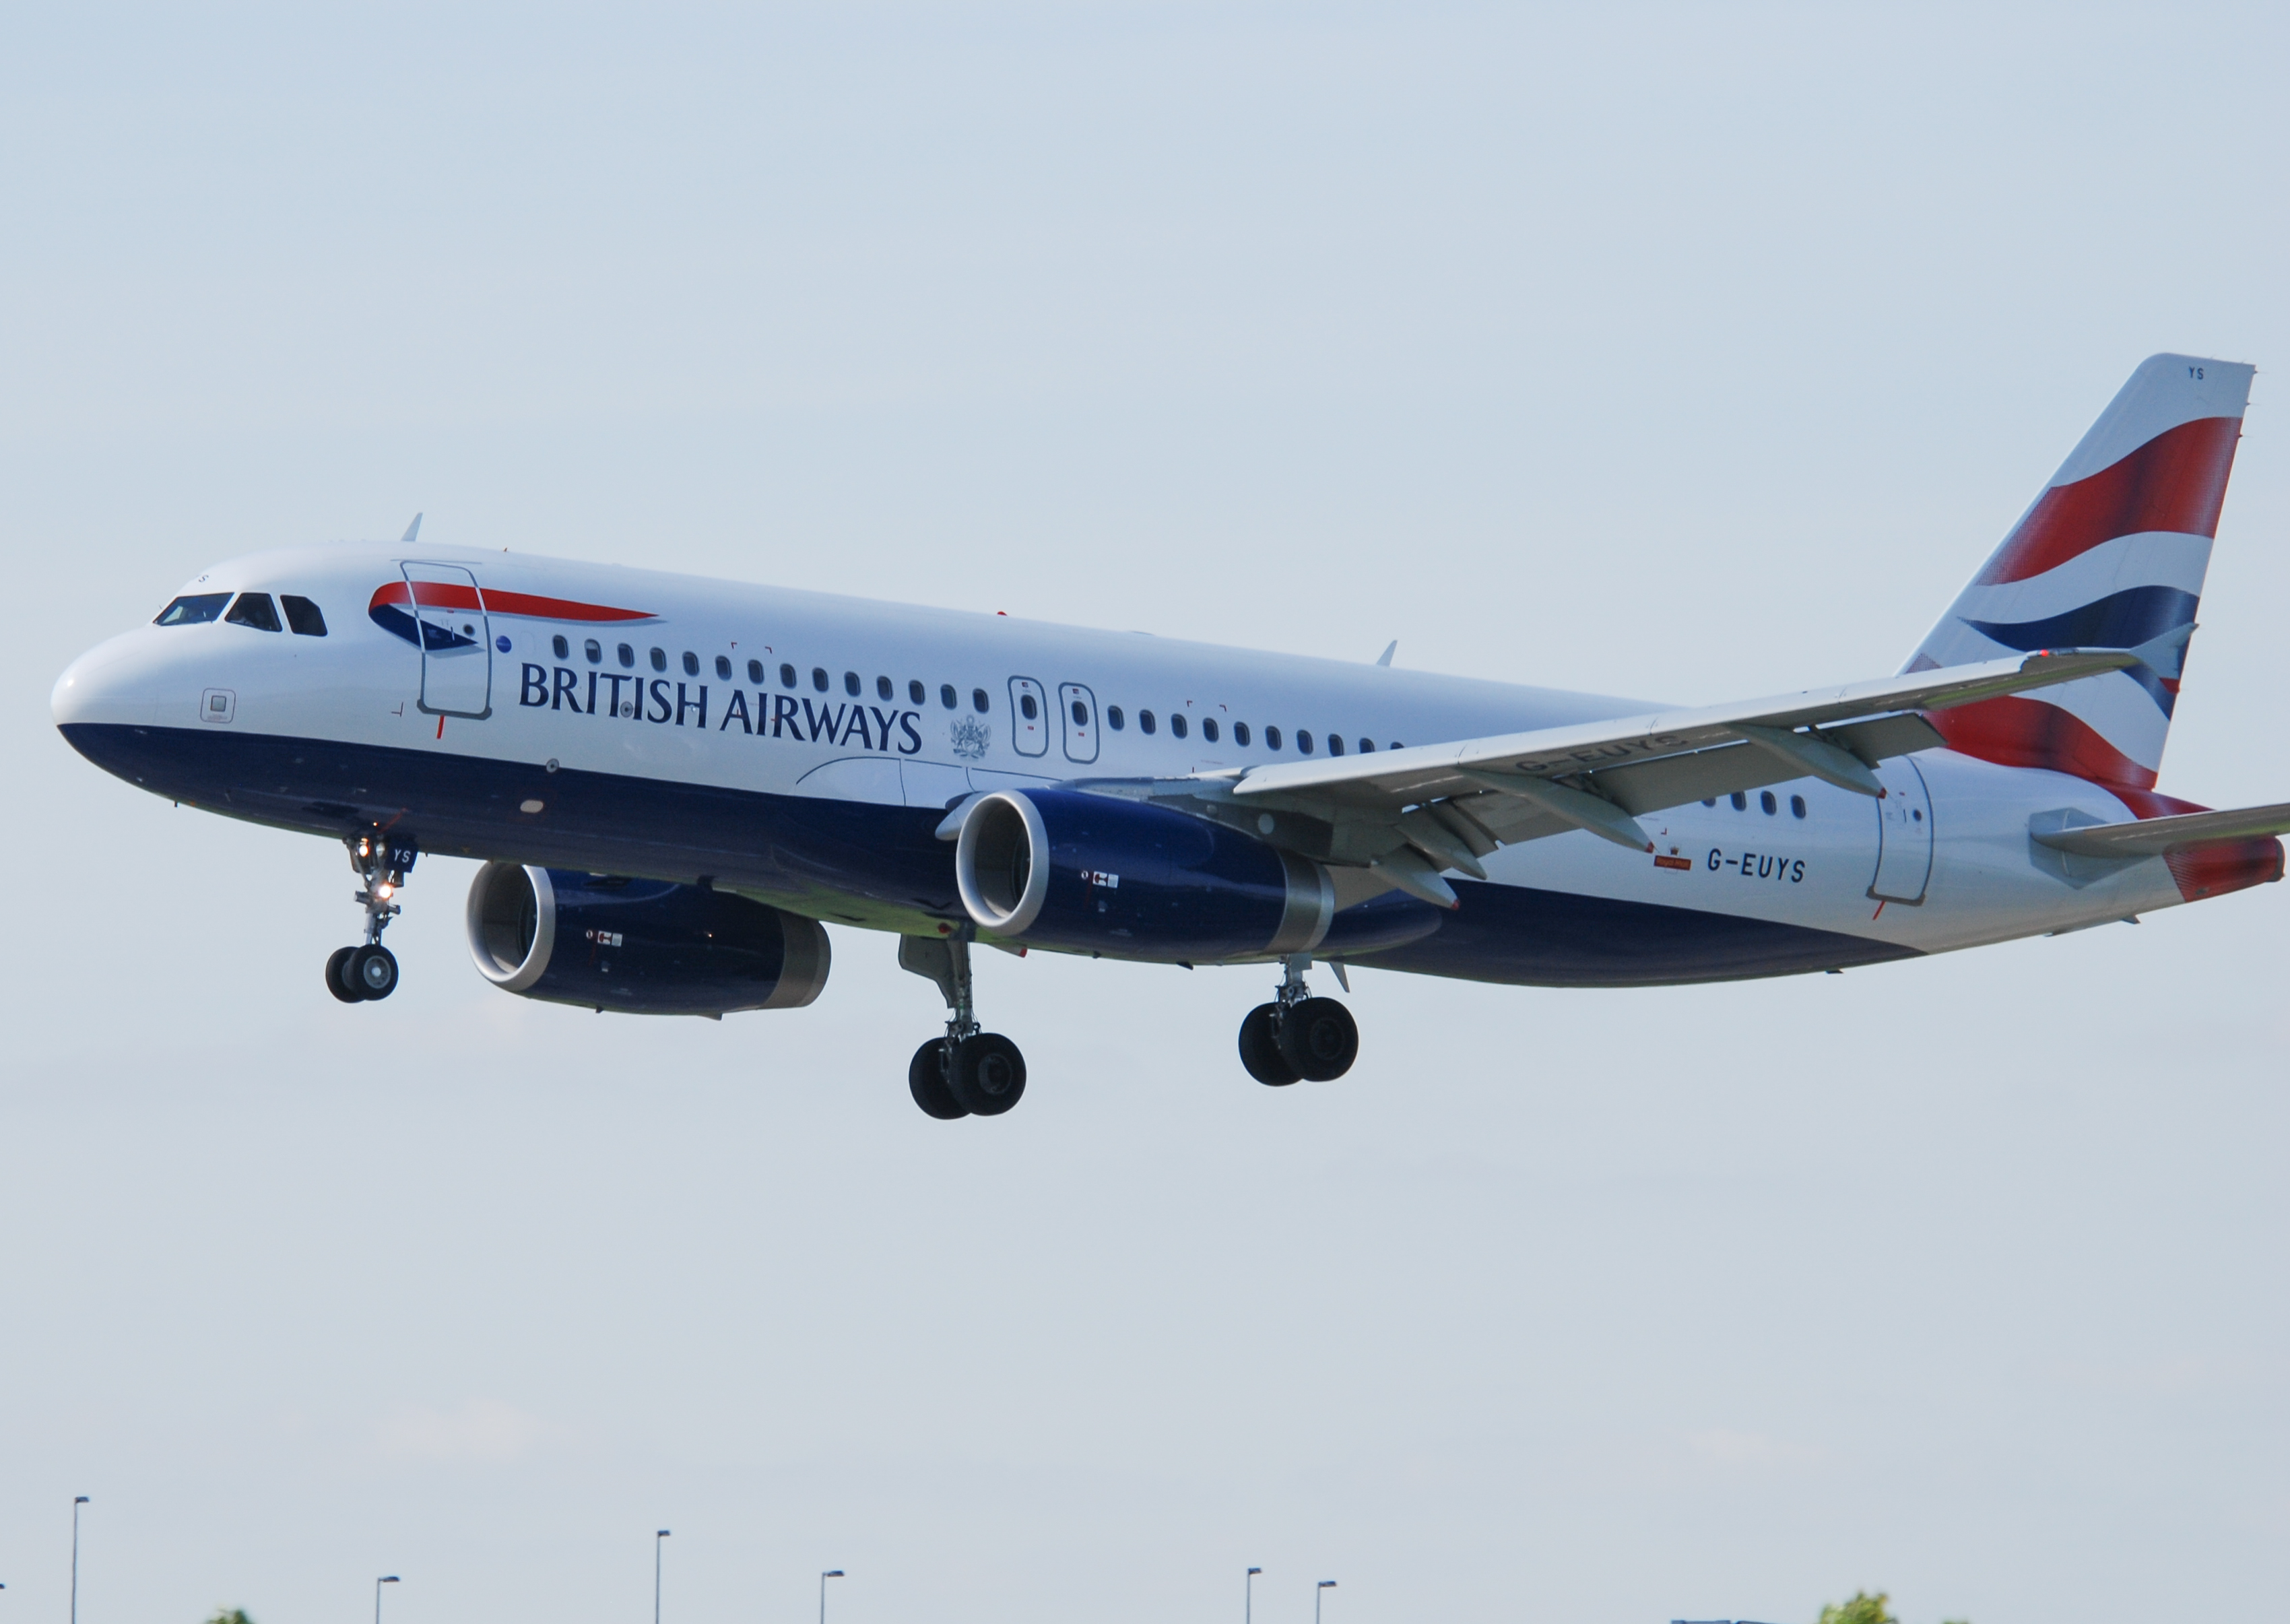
374 971
1260 1048
926 1082
338 976
989 1074
1318 1039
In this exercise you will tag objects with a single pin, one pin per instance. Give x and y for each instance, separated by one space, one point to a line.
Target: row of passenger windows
252 609
949 699
1765 800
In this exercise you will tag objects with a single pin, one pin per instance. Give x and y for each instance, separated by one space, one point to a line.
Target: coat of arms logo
970 738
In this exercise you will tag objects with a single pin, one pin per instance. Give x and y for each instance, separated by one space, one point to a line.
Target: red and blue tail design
2112 555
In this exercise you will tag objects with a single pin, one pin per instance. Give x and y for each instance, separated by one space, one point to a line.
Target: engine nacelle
639 947
1094 873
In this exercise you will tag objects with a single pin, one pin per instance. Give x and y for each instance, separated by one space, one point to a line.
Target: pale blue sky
1677 351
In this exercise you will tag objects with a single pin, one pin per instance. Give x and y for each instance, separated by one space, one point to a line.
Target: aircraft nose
111 683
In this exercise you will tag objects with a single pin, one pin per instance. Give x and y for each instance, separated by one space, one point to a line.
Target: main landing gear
967 1073
370 969
1297 1035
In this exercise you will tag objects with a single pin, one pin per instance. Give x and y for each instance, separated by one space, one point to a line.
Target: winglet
1390 649
411 531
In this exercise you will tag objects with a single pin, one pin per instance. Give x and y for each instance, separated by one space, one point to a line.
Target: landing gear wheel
374 970
1260 1048
338 976
989 1074
1318 1039
926 1082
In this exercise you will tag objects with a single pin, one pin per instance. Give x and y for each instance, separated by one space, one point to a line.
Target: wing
2160 836
1408 815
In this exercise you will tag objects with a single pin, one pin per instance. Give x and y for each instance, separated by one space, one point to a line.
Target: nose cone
114 681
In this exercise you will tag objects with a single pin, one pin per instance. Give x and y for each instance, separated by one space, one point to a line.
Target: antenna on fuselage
414 529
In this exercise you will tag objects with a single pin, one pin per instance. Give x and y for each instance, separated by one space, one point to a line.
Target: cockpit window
302 615
195 610
254 609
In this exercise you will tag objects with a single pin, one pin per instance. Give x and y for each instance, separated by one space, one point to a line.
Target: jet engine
639 947
1095 873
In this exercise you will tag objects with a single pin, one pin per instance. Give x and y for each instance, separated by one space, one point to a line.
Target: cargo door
1077 713
1905 834
457 643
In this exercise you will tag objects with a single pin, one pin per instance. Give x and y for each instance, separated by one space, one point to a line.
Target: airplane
674 784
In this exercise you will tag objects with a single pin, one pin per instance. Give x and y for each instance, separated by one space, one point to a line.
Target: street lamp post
77 1501
656 1539
823 1578
1325 1585
387 1579
1248 1597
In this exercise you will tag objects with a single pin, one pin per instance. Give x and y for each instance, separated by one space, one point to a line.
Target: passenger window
254 609
1335 744
1209 729
563 649
1397 746
756 673
914 693
595 652
1177 724
1741 801
1240 734
1080 714
979 702
883 688
1366 745
1271 737
627 657
946 695
1027 707
851 684
1712 801
1303 742
691 664
304 620
819 678
1114 719
1797 807
1766 800
723 668
660 660
195 610
1145 722
786 676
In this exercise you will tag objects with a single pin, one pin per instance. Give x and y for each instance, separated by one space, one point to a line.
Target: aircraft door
1077 710
1030 717
457 643
1905 834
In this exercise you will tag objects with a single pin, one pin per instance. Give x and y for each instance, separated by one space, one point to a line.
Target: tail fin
2112 555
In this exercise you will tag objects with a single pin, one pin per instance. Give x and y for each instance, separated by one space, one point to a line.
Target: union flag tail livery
674 787
2112 555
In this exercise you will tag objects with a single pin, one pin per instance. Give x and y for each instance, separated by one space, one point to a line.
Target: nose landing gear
369 971
967 1073
1298 1035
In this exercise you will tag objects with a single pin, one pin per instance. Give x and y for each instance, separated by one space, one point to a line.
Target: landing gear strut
369 970
1297 1035
967 1073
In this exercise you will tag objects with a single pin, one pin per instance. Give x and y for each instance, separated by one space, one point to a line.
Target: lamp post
77 1501
1248 1597
656 1539
387 1579
1325 1585
823 1578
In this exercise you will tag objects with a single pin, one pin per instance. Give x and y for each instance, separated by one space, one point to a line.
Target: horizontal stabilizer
2159 836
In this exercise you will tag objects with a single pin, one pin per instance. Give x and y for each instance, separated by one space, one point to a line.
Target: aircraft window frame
192 603
1335 744
979 702
627 657
851 684
1240 734
1797 807
1115 719
1177 724
883 688
787 678
595 650
1027 707
723 668
755 674
915 692
1209 729
262 614
1367 747
947 697
1766 804
315 625
1303 741
561 645
819 679
1147 722
1272 738
1740 799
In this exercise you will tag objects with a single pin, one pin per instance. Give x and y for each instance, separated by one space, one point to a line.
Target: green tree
230 1615
1862 1609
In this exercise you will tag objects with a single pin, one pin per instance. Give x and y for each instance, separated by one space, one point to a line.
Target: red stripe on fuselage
452 595
2176 482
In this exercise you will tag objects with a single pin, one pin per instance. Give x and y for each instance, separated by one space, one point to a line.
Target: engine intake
639 947
1065 868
